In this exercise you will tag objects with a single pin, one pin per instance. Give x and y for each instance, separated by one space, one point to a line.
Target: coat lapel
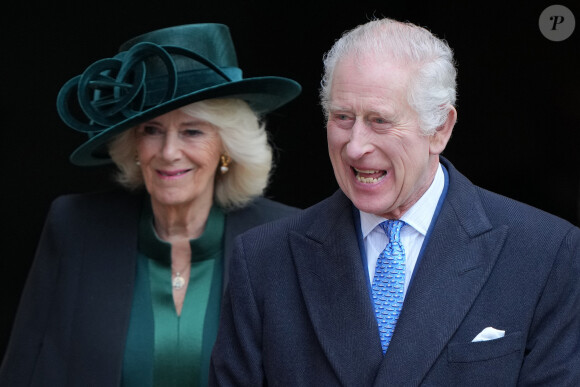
457 261
335 291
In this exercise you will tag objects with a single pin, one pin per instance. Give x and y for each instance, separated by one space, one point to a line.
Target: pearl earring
225 161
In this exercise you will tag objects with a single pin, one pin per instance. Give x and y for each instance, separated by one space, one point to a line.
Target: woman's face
179 156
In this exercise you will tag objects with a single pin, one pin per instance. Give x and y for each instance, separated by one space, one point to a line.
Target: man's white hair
432 89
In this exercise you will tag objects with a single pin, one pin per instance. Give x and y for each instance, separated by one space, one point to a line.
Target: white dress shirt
417 219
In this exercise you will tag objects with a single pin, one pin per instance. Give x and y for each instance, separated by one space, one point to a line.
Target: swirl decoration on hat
114 89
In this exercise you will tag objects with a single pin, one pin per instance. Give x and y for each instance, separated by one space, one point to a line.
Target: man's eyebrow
381 112
337 107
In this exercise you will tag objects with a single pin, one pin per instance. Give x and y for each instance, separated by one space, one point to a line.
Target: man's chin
370 206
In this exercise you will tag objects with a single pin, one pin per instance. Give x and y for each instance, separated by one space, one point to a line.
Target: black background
518 98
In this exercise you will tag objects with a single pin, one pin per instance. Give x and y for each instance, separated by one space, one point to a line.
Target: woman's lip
175 173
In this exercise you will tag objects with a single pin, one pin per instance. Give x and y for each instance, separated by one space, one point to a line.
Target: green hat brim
263 94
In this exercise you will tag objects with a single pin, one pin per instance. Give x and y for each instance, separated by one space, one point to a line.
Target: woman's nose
171 150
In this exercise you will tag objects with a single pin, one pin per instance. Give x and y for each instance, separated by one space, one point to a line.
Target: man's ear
442 134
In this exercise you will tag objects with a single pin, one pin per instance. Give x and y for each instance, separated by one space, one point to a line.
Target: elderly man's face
381 160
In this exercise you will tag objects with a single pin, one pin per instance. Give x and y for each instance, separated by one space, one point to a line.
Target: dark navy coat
71 325
297 311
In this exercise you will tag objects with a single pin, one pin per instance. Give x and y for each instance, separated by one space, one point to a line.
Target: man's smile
369 176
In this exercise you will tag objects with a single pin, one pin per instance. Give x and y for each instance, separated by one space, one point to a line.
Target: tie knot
392 228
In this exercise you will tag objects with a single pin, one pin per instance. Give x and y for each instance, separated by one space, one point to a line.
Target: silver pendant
178 282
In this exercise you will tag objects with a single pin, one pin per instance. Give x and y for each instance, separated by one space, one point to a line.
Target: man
491 287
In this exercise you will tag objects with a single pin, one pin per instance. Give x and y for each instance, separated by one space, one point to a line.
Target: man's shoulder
495 209
321 215
512 212
269 206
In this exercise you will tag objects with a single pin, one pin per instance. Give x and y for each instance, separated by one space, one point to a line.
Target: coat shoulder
519 215
267 209
96 201
489 209
321 217
87 213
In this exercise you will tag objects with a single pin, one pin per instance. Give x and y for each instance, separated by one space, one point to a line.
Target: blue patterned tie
389 282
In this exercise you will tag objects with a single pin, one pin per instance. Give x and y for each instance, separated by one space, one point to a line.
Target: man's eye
342 117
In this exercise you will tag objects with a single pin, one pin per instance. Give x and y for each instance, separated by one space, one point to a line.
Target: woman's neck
181 223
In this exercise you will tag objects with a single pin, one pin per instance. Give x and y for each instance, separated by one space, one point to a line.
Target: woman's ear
442 134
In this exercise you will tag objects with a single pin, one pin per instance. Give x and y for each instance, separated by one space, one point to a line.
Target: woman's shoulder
96 202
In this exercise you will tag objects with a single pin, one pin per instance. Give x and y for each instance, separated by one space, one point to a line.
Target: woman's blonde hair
244 138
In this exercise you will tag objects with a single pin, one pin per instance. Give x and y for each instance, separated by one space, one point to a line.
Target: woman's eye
192 132
150 130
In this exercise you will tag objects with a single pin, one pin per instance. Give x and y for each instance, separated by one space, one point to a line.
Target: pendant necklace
178 281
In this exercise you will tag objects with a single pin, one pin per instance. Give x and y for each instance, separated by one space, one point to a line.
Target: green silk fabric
164 349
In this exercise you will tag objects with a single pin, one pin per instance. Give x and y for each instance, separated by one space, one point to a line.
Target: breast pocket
485 363
485 350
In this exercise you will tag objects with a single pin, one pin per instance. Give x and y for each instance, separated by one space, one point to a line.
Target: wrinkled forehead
373 59
370 87
371 71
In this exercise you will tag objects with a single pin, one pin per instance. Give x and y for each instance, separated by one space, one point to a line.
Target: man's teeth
368 180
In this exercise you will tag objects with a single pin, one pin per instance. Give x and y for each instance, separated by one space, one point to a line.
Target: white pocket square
488 333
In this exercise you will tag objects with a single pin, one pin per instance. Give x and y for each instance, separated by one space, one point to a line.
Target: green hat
156 73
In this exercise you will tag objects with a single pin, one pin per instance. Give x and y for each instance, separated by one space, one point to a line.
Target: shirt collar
419 216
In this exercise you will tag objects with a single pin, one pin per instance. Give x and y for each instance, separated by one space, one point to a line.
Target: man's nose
360 142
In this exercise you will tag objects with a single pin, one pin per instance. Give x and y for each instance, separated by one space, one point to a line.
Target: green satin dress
164 349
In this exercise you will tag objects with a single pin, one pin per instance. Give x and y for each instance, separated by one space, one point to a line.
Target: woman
126 285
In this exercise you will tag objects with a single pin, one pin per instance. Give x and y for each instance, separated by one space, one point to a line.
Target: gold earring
225 160
137 162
